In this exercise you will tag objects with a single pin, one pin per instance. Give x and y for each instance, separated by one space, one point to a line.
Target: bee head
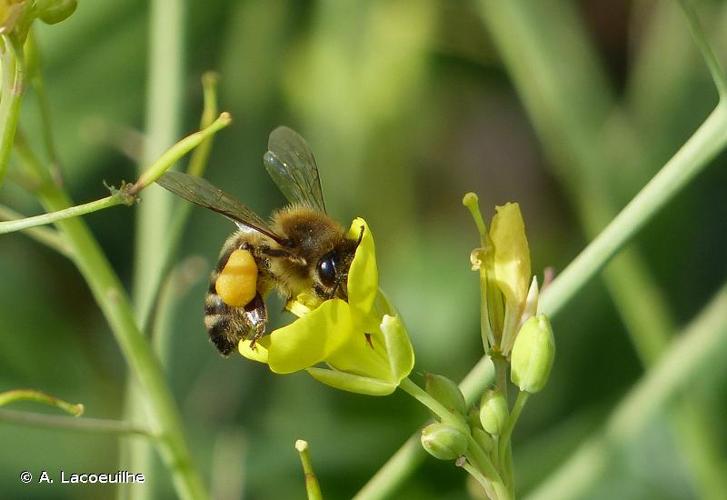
332 269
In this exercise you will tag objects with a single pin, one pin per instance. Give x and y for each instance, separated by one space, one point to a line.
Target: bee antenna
360 236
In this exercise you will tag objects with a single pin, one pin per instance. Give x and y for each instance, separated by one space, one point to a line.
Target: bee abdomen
217 321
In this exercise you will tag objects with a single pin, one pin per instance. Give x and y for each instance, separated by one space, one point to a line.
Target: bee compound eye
327 269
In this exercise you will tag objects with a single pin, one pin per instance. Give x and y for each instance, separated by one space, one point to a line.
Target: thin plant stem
389 477
51 217
163 105
471 201
410 455
82 424
197 166
477 456
13 84
35 396
48 237
126 194
702 344
435 406
715 68
116 307
517 408
504 443
312 487
709 139
477 475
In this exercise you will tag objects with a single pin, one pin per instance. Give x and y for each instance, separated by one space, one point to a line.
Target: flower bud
493 412
55 11
483 439
443 441
532 354
446 392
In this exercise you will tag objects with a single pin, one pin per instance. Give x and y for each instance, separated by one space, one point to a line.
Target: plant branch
49 237
17 395
128 192
81 424
709 139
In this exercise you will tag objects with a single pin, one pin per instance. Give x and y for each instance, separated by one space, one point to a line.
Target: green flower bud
493 412
55 11
532 354
446 392
483 439
443 441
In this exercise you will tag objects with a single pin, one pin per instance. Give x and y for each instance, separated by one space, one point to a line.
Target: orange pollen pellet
237 283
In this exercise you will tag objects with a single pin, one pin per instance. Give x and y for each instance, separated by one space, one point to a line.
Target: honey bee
301 249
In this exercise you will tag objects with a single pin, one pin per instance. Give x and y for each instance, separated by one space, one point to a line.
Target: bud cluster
515 337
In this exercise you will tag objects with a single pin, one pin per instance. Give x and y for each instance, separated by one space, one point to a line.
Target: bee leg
256 317
279 252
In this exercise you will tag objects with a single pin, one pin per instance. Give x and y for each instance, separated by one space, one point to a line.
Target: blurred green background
408 104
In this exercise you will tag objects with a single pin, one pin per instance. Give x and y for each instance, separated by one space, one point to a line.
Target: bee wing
290 163
203 193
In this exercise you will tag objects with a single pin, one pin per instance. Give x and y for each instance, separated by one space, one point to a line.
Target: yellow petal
311 338
511 266
364 354
258 353
363 276
398 347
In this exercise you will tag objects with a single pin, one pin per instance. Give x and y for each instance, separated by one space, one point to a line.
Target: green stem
71 423
479 458
48 237
435 406
13 76
709 139
715 69
410 455
477 475
17 395
164 98
66 213
116 307
504 444
522 398
702 345
389 477
312 487
179 149
126 194
197 166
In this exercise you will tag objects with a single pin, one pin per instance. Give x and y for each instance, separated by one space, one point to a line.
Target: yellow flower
363 342
509 296
510 267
